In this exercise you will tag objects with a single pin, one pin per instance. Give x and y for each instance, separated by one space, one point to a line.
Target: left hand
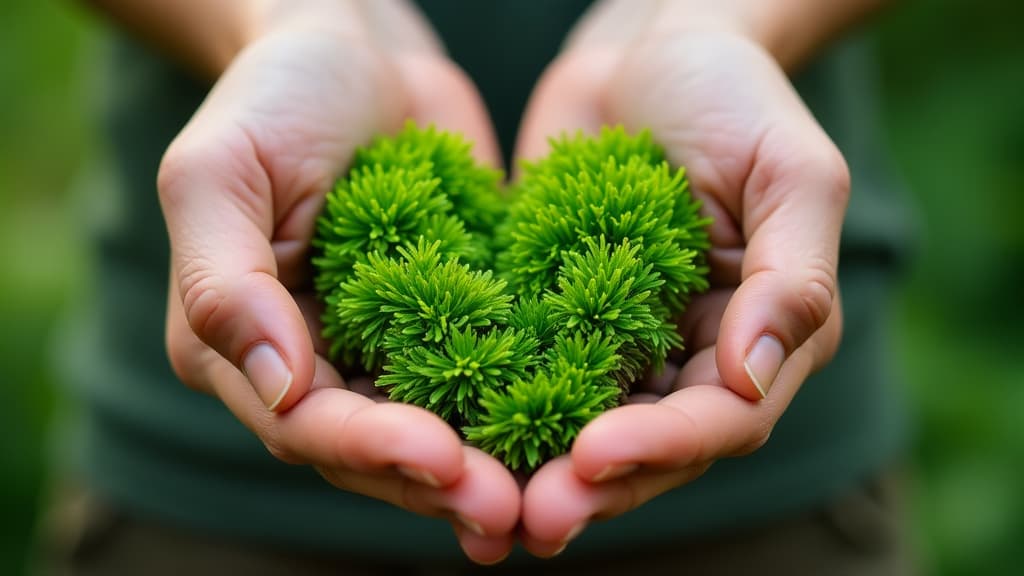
777 189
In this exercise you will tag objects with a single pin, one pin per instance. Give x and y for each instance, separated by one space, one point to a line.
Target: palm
721 107
241 188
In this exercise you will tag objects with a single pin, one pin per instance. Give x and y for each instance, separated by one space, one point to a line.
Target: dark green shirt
154 447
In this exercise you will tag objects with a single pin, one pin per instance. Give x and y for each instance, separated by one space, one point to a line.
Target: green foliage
581 153
593 357
533 316
611 291
402 193
417 298
448 378
601 247
374 210
619 197
535 420
472 188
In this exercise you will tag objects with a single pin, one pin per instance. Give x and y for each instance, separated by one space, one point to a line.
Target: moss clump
516 320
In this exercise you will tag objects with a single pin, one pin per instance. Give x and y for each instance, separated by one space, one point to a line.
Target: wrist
757 21
618 22
792 31
338 17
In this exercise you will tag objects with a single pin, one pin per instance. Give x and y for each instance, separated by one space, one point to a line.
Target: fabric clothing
159 450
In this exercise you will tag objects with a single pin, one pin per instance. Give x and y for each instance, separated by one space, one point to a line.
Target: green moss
600 248
418 297
449 377
535 420
471 187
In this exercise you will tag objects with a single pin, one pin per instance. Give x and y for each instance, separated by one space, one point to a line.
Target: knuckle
831 171
279 451
823 167
229 162
179 162
815 297
758 438
276 445
202 296
825 342
182 360
189 359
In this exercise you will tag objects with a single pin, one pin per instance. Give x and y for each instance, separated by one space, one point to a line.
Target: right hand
241 187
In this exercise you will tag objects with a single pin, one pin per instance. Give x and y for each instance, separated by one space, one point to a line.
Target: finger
793 207
702 422
726 254
485 550
567 99
232 182
443 95
332 427
190 358
218 208
198 366
632 454
643 398
702 370
700 325
482 504
558 505
785 183
312 309
656 382
699 371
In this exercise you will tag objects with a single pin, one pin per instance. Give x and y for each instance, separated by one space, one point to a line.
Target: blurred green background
953 75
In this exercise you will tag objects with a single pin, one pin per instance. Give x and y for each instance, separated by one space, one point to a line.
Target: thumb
218 207
250 168
793 207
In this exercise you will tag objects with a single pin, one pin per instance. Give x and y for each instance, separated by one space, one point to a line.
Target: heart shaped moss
520 316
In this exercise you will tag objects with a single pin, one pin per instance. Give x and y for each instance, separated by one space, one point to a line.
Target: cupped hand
240 189
777 189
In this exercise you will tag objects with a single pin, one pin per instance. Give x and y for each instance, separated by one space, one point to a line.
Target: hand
777 189
241 187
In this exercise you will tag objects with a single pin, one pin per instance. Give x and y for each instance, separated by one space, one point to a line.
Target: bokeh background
953 79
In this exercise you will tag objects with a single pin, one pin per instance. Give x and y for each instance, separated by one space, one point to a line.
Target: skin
301 83
718 99
240 188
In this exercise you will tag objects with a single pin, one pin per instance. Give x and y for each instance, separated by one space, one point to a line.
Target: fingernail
473 527
576 531
764 362
497 560
421 476
569 537
613 471
268 374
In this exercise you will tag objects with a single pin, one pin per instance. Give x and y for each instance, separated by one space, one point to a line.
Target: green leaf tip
419 297
471 187
449 377
535 420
